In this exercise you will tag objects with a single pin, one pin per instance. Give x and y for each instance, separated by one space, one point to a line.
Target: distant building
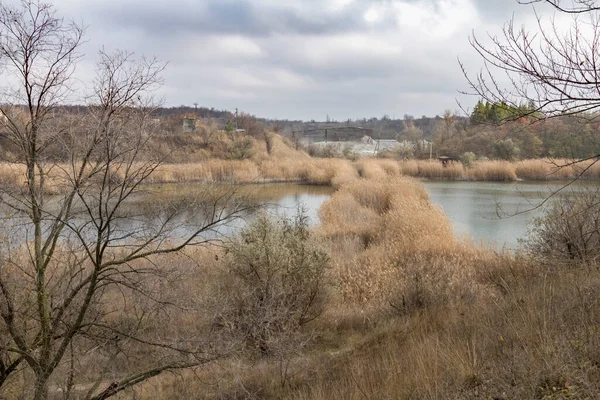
189 125
335 134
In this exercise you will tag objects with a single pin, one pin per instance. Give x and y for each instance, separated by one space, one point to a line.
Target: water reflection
278 198
494 213
491 213
176 211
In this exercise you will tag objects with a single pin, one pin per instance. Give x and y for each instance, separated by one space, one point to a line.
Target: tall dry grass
301 167
535 339
213 170
282 163
373 168
420 314
12 174
479 171
543 170
384 235
413 312
436 170
557 169
491 171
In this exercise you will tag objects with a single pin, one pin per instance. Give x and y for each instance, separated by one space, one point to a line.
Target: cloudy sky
301 59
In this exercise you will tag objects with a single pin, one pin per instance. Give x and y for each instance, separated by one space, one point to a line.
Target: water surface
494 213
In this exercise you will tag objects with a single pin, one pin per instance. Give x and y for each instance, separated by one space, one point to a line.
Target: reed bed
280 162
557 169
399 236
372 168
491 171
410 168
12 174
432 169
544 170
589 169
394 259
413 312
213 170
436 170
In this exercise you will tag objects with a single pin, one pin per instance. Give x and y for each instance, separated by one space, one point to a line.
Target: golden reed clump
491 171
281 162
385 234
557 169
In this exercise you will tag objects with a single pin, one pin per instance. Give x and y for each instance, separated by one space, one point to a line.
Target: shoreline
302 169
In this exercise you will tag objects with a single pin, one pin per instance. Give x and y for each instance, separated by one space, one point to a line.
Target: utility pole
430 150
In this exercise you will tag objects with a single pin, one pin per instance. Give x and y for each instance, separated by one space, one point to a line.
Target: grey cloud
295 58
503 10
226 17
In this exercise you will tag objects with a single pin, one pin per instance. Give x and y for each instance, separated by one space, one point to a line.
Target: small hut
446 159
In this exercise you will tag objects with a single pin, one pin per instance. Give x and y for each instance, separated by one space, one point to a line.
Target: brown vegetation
492 171
286 164
412 312
415 313
380 301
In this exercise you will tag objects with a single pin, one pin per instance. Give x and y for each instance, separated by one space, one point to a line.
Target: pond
278 198
179 210
495 214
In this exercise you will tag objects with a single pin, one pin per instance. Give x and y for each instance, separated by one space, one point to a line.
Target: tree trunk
41 387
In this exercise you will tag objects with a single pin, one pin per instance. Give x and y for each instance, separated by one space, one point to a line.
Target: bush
277 282
569 230
241 148
506 150
468 159
328 151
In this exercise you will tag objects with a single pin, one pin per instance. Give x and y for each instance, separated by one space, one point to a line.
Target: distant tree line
500 112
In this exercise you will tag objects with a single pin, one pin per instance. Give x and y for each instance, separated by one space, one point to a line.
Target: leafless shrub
570 229
275 285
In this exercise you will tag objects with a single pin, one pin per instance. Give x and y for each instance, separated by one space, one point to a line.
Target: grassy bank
301 168
283 163
413 312
410 312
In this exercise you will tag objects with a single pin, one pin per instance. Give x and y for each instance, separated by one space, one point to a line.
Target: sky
301 59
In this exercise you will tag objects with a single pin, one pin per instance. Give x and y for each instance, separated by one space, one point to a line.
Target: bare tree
74 249
554 70
570 7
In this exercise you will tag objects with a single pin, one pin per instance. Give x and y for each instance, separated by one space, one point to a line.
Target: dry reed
283 163
491 171
415 312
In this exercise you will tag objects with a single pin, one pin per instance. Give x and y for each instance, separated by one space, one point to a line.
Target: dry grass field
411 312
